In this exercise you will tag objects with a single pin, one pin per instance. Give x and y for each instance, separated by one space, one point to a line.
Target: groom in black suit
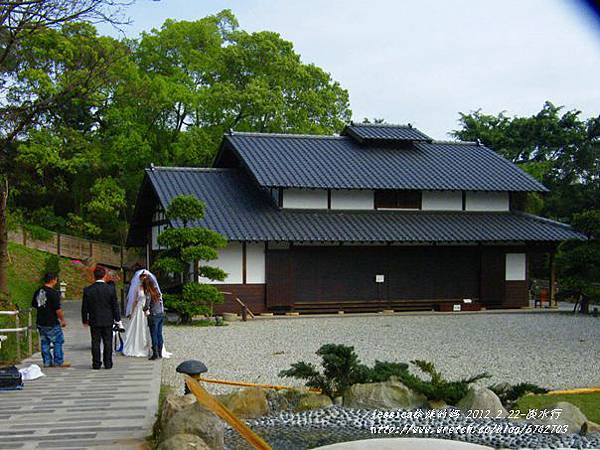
100 310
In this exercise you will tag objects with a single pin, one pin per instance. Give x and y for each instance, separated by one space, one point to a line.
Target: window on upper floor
397 199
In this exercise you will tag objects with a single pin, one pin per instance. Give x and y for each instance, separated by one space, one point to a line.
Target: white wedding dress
137 334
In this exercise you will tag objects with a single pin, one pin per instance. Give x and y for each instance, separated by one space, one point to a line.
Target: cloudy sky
423 61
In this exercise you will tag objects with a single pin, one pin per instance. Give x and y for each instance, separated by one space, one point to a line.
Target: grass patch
589 404
24 277
154 439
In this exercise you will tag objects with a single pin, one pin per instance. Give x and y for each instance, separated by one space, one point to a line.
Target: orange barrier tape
215 406
265 386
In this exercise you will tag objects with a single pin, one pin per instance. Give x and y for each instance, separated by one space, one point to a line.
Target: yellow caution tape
576 391
246 384
215 406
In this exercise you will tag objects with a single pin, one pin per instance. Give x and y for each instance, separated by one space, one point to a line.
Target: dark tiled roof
384 133
339 162
239 210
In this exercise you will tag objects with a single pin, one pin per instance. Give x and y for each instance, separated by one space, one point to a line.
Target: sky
423 61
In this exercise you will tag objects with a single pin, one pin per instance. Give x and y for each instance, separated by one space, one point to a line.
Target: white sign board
379 278
456 307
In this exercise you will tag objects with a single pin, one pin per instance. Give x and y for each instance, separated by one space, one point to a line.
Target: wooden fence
77 248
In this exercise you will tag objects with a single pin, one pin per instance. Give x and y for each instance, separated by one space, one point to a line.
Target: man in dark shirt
100 310
50 321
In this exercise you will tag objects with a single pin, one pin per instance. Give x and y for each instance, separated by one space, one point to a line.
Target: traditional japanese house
380 217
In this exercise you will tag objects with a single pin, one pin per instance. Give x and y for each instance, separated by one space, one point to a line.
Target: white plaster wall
230 260
255 263
156 230
441 201
487 201
516 267
352 199
305 198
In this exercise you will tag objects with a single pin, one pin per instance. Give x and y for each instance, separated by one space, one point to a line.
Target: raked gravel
555 350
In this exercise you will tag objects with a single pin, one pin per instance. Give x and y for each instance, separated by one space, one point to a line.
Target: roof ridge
286 135
442 141
193 169
384 125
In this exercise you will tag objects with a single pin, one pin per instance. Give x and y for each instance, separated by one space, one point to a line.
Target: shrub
438 388
509 394
384 370
52 265
341 369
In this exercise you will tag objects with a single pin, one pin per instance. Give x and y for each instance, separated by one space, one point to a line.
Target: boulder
197 420
570 415
173 404
437 404
313 401
389 394
184 442
482 399
247 403
590 427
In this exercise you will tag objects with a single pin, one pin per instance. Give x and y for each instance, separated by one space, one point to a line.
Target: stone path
80 407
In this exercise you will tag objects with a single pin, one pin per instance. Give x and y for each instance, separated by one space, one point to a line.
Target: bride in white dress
137 335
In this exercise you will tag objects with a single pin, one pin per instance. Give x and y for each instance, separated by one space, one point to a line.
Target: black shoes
154 354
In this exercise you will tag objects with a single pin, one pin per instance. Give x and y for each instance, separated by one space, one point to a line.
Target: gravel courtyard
552 350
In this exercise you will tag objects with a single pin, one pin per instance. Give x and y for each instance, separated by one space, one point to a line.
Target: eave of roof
241 211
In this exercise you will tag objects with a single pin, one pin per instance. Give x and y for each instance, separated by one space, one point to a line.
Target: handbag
10 379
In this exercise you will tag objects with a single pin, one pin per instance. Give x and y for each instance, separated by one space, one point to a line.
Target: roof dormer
369 133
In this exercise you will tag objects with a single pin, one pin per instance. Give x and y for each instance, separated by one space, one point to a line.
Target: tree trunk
3 242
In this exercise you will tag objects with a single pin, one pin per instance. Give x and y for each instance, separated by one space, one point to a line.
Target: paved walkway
80 407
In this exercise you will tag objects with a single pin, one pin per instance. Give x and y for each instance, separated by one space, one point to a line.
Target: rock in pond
184 442
195 419
247 403
484 400
570 415
313 401
391 394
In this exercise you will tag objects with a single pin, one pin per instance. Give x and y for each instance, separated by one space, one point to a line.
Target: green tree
31 87
187 246
578 262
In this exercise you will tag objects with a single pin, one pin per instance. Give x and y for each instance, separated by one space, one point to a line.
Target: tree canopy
557 147
165 98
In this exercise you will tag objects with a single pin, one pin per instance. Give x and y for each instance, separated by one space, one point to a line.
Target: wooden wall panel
516 294
253 295
348 273
492 277
278 278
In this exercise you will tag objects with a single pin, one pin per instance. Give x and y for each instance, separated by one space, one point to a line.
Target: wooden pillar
148 256
552 281
244 262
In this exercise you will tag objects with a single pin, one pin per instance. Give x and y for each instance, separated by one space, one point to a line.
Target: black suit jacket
100 307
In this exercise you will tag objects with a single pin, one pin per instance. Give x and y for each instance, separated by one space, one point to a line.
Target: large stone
569 415
247 403
199 421
590 427
313 401
482 399
173 404
389 394
184 442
